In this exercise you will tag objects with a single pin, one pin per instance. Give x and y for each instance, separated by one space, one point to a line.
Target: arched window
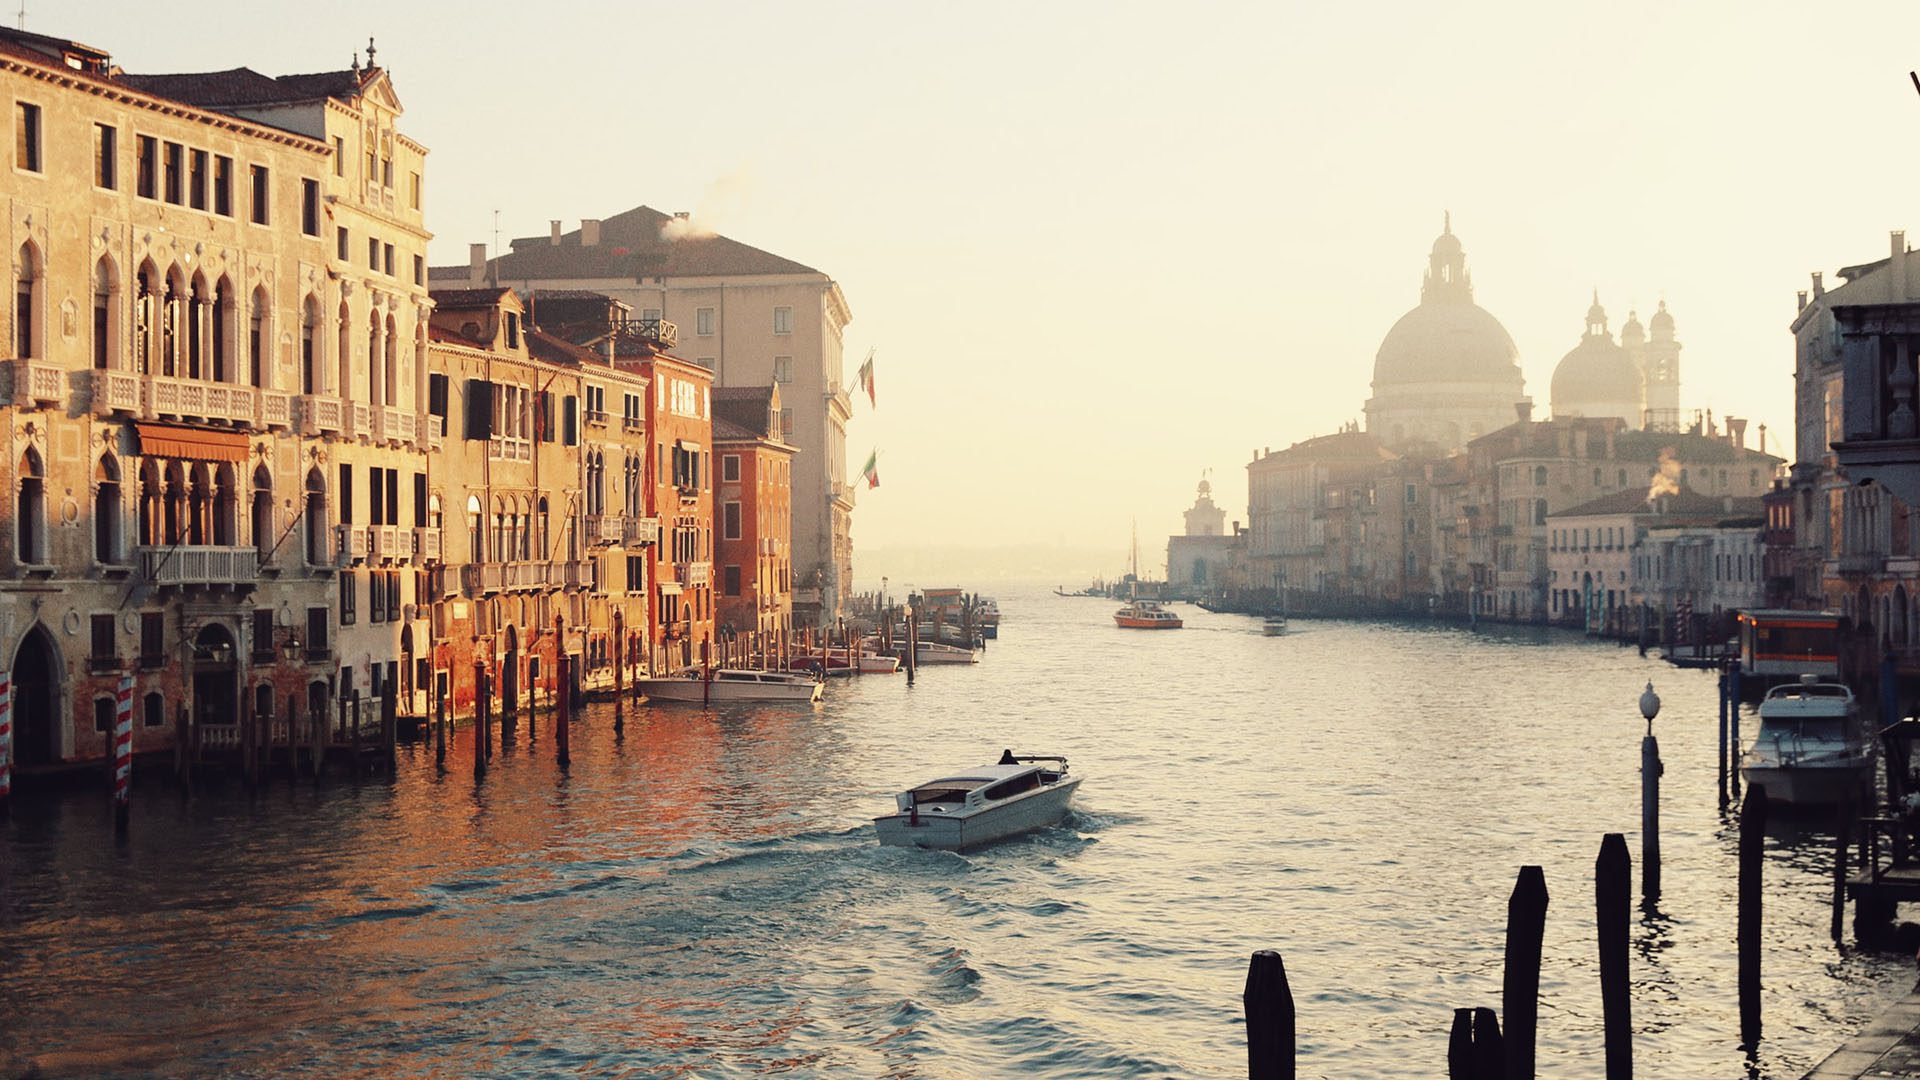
26 303
316 518
171 302
542 539
106 315
259 360
391 394
310 346
1539 476
145 298
1539 511
148 526
30 515
199 504
226 507
376 378
263 531
222 368
343 385
434 516
476 531
196 317
106 512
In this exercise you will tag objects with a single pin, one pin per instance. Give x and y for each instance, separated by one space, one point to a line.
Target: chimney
1897 268
1524 410
1803 300
682 214
476 264
1737 431
589 232
554 236
1819 286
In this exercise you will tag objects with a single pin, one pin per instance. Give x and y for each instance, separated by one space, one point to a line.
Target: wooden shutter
479 421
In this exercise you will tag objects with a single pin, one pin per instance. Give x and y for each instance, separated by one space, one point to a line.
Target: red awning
193 444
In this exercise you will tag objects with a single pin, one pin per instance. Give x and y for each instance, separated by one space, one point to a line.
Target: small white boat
1274 625
933 652
1146 615
731 684
1022 793
1812 748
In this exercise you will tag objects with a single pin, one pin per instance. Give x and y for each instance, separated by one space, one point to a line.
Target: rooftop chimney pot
589 232
476 264
554 237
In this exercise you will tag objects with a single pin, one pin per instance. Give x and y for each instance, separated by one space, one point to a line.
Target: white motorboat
1022 793
933 652
1274 625
731 684
1812 748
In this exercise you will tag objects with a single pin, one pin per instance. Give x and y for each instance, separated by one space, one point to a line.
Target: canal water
703 897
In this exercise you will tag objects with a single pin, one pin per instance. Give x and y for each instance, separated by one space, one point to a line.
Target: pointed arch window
26 304
106 316
309 347
344 384
197 366
476 531
107 547
30 512
144 311
390 393
262 523
226 507
316 518
258 365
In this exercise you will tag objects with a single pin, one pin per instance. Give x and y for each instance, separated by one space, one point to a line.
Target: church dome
1448 338
1662 324
1599 377
1631 332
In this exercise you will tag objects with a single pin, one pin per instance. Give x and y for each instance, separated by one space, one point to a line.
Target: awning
193 444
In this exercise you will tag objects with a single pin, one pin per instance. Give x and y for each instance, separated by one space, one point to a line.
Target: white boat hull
957 832
930 653
1809 786
699 691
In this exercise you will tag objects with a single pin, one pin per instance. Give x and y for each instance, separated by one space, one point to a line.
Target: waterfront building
1304 513
750 318
1447 372
1592 578
754 546
197 375
1197 560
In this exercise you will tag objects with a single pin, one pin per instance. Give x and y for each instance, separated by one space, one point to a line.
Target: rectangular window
783 320
340 243
316 631
258 206
147 166
223 185
339 155
106 159
419 270
103 714
153 650
419 508
349 594
479 414
786 423
437 394
197 180
154 710
263 634
373 253
731 580
346 494
310 207
783 369
393 496
176 173
636 573
730 520
570 421
377 600
413 190
103 656
386 259
27 138
703 321
376 495
730 468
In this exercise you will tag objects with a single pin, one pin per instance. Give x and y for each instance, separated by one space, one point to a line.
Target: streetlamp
1649 706
292 645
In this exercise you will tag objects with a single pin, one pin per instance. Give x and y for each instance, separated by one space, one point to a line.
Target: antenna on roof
1914 75
23 16
493 264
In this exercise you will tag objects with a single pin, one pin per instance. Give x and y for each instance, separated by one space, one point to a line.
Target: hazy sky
1103 246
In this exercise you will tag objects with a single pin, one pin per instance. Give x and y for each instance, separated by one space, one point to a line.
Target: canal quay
702 895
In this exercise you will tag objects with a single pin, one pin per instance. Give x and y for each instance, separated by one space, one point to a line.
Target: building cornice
167 107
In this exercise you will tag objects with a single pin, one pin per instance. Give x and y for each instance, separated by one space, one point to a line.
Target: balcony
633 423
658 331
195 399
575 573
1857 563
321 415
115 391
641 531
275 410
200 565
840 399
597 417
426 545
383 542
360 417
690 574
431 425
605 530
350 544
510 450
37 384
392 426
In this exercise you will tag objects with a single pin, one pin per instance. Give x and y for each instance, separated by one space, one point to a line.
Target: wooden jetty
1890 1046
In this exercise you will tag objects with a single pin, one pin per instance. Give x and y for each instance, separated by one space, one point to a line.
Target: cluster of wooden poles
1486 1046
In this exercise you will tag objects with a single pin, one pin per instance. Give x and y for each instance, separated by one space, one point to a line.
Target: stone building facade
753 519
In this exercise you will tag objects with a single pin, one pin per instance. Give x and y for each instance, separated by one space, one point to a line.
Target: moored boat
1146 615
933 652
1274 625
1021 793
1811 748
731 684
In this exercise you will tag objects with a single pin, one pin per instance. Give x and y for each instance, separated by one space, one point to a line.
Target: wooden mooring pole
1753 835
6 743
1269 1007
1520 988
123 755
1842 835
1611 887
1734 692
439 722
479 720
1460 1046
1650 770
563 716
1725 680
1489 1051
390 726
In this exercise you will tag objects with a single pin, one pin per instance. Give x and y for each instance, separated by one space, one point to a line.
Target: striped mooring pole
122 755
6 741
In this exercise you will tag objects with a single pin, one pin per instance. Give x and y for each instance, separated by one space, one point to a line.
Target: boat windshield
951 790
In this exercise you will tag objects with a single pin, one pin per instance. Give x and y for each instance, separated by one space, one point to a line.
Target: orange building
753 515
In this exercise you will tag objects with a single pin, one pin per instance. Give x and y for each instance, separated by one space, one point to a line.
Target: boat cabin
986 785
1790 643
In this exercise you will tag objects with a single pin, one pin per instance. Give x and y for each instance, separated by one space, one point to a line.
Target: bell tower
1662 365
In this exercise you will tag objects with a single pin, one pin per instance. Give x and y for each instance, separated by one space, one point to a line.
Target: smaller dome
1631 332
1661 321
1598 378
1206 487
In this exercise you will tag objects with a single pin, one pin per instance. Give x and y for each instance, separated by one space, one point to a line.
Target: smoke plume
723 198
1666 479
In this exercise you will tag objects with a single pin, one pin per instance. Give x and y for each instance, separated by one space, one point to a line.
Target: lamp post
1650 770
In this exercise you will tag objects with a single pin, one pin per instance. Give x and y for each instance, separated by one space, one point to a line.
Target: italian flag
871 470
866 378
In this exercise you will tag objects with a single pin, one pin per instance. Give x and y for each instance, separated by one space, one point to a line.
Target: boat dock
1889 1047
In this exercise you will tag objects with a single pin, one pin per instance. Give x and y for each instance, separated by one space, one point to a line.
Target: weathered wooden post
440 722
6 743
1650 770
354 698
1460 1046
563 716
619 674
706 665
390 725
245 723
1753 835
479 720
1842 833
1489 1053
1520 989
1611 887
123 755
1734 698
1269 1007
1725 680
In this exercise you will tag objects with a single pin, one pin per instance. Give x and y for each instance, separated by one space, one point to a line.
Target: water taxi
730 684
1812 748
1021 793
1146 615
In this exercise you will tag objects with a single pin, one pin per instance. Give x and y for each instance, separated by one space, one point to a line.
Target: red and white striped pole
6 741
123 754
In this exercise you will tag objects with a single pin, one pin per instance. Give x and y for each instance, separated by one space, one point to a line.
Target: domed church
1448 371
1636 379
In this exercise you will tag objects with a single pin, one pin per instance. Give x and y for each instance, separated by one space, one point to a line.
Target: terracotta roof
1341 446
1687 503
746 408
544 346
725 430
466 298
631 247
241 87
